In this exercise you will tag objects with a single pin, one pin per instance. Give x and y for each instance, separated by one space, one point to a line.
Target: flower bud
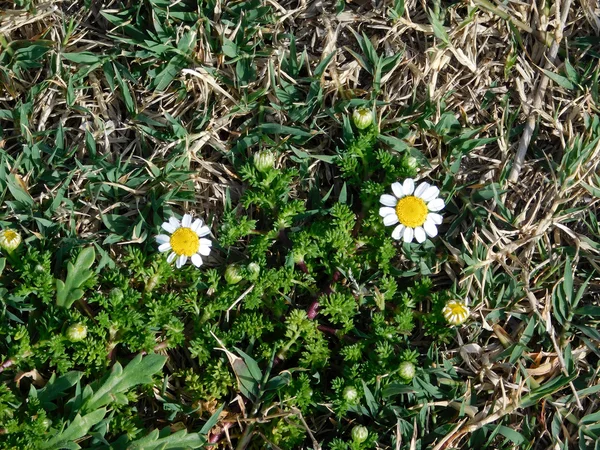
412 162
77 332
116 294
253 271
362 118
360 434
264 160
456 312
350 394
232 274
9 240
406 371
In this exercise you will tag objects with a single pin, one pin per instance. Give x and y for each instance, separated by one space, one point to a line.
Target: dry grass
485 66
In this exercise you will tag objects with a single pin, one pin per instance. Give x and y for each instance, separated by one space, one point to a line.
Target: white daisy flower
186 240
414 208
455 312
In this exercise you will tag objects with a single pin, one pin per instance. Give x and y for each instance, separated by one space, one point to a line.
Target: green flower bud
253 271
77 332
362 118
9 240
360 434
46 423
350 394
406 371
264 160
232 274
412 162
116 294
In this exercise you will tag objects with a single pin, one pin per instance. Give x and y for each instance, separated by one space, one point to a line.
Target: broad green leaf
69 291
119 381
560 80
57 387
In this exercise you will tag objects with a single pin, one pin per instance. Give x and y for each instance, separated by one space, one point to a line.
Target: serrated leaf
78 428
138 371
69 291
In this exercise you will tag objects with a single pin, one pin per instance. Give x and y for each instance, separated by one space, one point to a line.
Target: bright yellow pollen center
185 241
411 211
9 235
457 309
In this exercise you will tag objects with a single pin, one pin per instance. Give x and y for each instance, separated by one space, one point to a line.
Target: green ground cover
299 224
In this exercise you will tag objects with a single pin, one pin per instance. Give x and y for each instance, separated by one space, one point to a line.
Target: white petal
408 234
436 204
398 191
420 235
164 247
171 257
430 228
409 186
196 225
392 219
186 221
386 211
203 231
205 242
181 261
435 218
196 260
168 227
162 239
204 250
430 193
388 200
421 188
175 222
397 233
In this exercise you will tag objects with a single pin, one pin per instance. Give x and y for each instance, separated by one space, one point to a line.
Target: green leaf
69 291
78 428
587 310
370 400
119 381
275 128
176 441
229 48
511 434
396 389
87 58
56 387
212 421
17 191
438 28
560 80
252 365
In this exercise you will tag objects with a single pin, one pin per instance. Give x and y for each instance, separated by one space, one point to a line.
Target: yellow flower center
9 235
455 312
185 241
411 211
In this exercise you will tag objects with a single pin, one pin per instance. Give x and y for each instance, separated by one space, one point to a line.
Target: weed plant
307 322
